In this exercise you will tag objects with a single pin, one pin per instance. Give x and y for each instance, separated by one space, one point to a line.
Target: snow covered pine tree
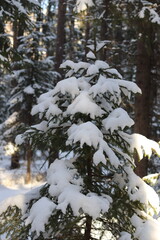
93 192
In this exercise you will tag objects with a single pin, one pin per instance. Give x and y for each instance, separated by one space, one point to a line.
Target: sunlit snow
39 214
82 4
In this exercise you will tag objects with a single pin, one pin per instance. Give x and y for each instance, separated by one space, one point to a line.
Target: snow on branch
86 133
83 115
83 103
68 189
118 118
82 5
146 229
141 144
154 17
39 214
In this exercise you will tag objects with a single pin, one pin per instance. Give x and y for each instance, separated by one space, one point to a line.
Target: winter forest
80 120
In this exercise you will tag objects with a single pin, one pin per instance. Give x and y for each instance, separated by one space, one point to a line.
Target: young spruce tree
92 191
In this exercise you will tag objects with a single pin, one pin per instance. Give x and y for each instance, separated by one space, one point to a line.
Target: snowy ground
12 182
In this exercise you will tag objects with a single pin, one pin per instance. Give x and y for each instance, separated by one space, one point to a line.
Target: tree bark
88 227
143 80
87 235
15 33
104 27
3 40
29 160
71 29
60 34
15 160
53 155
47 28
87 35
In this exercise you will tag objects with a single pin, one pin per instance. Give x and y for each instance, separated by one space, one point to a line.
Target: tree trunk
29 160
143 80
71 30
88 227
4 41
87 234
60 34
104 28
18 31
52 156
15 33
87 35
47 28
156 87
15 160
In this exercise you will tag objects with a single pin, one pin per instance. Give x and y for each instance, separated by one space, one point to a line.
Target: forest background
37 36
38 41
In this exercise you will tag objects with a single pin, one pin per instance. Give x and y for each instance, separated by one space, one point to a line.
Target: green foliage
12 225
100 178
